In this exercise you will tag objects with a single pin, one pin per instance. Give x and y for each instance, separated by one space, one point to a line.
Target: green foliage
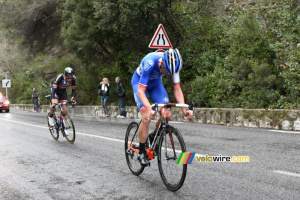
40 74
232 53
248 74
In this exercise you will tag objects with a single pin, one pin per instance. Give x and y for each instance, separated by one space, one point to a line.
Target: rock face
259 118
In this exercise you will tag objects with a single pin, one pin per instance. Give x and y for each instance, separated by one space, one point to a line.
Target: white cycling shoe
51 121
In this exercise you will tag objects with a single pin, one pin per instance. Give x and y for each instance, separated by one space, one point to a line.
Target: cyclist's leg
144 126
54 101
63 99
51 120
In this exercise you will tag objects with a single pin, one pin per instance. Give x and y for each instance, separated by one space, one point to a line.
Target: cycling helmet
69 71
172 61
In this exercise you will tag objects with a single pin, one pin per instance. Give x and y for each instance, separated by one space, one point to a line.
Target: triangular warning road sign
160 39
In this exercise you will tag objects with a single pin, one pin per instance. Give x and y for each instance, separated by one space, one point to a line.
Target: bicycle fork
174 157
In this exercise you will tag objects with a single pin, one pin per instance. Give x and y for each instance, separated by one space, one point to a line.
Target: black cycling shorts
62 96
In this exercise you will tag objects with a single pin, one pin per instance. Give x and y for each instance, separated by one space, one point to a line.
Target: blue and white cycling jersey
148 69
148 76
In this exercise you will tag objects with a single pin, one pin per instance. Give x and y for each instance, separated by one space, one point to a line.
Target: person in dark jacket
121 92
35 100
104 94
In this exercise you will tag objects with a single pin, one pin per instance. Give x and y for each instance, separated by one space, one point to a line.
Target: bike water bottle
59 121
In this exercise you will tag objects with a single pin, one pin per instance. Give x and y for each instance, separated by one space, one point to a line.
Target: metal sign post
6 83
6 87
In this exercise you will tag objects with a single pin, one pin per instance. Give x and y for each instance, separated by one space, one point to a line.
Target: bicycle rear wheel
68 129
171 144
132 135
53 131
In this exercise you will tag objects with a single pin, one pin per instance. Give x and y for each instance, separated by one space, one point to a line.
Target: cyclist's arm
73 87
178 94
180 98
55 85
143 98
177 90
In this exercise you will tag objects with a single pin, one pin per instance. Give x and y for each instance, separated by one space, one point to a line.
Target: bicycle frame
59 120
59 105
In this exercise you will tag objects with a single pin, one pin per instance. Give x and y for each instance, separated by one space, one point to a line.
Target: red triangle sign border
160 27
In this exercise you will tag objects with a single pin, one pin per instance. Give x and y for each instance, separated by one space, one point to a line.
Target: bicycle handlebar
170 105
70 102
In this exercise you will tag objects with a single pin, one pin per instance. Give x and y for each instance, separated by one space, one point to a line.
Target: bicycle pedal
128 151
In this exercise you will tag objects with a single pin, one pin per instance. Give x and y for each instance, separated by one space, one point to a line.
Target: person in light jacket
104 94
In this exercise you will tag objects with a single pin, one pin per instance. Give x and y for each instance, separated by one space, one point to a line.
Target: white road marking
280 131
25 123
85 134
84 116
102 137
287 173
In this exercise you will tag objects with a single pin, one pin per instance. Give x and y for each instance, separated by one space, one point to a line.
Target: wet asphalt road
34 166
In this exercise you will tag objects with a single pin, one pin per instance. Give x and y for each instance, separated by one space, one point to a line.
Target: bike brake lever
192 107
194 110
156 109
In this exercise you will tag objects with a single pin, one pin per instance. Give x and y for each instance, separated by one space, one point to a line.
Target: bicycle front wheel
171 144
53 130
132 137
68 129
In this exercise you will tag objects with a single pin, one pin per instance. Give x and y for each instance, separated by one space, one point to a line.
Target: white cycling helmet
172 61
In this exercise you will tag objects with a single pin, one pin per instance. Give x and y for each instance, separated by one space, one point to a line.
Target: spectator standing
104 94
35 100
121 92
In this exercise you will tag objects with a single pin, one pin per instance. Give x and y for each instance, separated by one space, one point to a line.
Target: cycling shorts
155 89
62 96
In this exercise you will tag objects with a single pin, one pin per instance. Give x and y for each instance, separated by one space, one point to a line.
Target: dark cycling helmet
172 61
69 71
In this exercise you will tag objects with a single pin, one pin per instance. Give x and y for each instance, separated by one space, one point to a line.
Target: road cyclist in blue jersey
147 80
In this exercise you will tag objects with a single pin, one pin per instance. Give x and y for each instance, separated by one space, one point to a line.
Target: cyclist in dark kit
58 92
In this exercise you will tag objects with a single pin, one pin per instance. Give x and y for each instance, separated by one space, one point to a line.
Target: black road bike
63 123
167 145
